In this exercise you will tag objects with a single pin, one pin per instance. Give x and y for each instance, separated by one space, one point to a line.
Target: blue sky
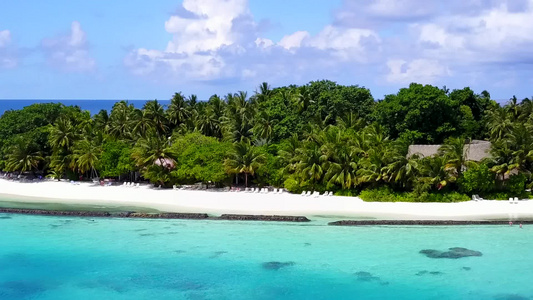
149 50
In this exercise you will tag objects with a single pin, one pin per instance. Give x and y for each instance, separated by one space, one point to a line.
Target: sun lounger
516 200
303 193
330 193
308 193
137 185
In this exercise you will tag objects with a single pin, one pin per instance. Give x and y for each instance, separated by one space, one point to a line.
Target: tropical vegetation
319 136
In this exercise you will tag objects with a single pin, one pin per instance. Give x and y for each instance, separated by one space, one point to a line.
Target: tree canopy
318 136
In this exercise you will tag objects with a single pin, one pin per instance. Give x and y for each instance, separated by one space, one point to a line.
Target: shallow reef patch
452 253
276 265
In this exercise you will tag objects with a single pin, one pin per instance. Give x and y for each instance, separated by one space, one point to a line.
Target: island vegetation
319 136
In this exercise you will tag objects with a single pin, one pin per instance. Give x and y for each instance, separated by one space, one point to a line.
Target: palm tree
210 122
155 112
86 156
23 157
499 123
264 127
401 169
433 172
178 111
122 120
455 151
264 93
342 167
351 120
239 115
63 134
303 98
311 162
513 108
102 122
289 154
244 159
142 123
152 149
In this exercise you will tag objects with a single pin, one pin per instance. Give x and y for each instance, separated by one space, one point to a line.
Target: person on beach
510 223
520 225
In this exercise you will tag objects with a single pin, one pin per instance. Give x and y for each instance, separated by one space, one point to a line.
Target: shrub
385 194
477 180
516 184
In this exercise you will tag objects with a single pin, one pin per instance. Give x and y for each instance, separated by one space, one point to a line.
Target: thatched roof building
476 150
166 163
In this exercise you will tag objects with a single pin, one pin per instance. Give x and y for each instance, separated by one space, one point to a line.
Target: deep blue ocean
94 106
91 258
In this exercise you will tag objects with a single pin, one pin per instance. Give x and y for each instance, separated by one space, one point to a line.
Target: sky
139 49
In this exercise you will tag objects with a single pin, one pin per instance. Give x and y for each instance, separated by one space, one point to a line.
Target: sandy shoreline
218 203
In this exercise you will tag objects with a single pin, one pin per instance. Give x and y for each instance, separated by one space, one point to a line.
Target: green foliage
516 184
315 137
271 173
385 194
477 180
200 159
115 159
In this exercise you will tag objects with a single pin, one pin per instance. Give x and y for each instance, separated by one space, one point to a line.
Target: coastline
242 203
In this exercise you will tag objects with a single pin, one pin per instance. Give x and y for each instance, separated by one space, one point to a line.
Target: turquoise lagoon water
92 258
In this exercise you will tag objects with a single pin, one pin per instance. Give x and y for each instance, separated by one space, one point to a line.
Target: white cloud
192 54
8 57
69 52
494 35
5 38
293 40
417 70
400 8
264 43
218 39
211 28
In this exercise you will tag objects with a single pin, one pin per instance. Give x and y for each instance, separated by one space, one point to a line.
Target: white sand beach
216 203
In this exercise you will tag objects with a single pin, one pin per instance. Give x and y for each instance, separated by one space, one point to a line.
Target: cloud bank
394 42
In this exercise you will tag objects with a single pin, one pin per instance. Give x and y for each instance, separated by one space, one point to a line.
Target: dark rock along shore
197 216
236 217
422 222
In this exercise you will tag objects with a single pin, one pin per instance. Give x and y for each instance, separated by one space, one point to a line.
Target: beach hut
476 150
165 162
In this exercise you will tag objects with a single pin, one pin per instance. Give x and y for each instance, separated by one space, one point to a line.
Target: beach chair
308 194
330 193
316 194
258 190
137 185
516 200
303 193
